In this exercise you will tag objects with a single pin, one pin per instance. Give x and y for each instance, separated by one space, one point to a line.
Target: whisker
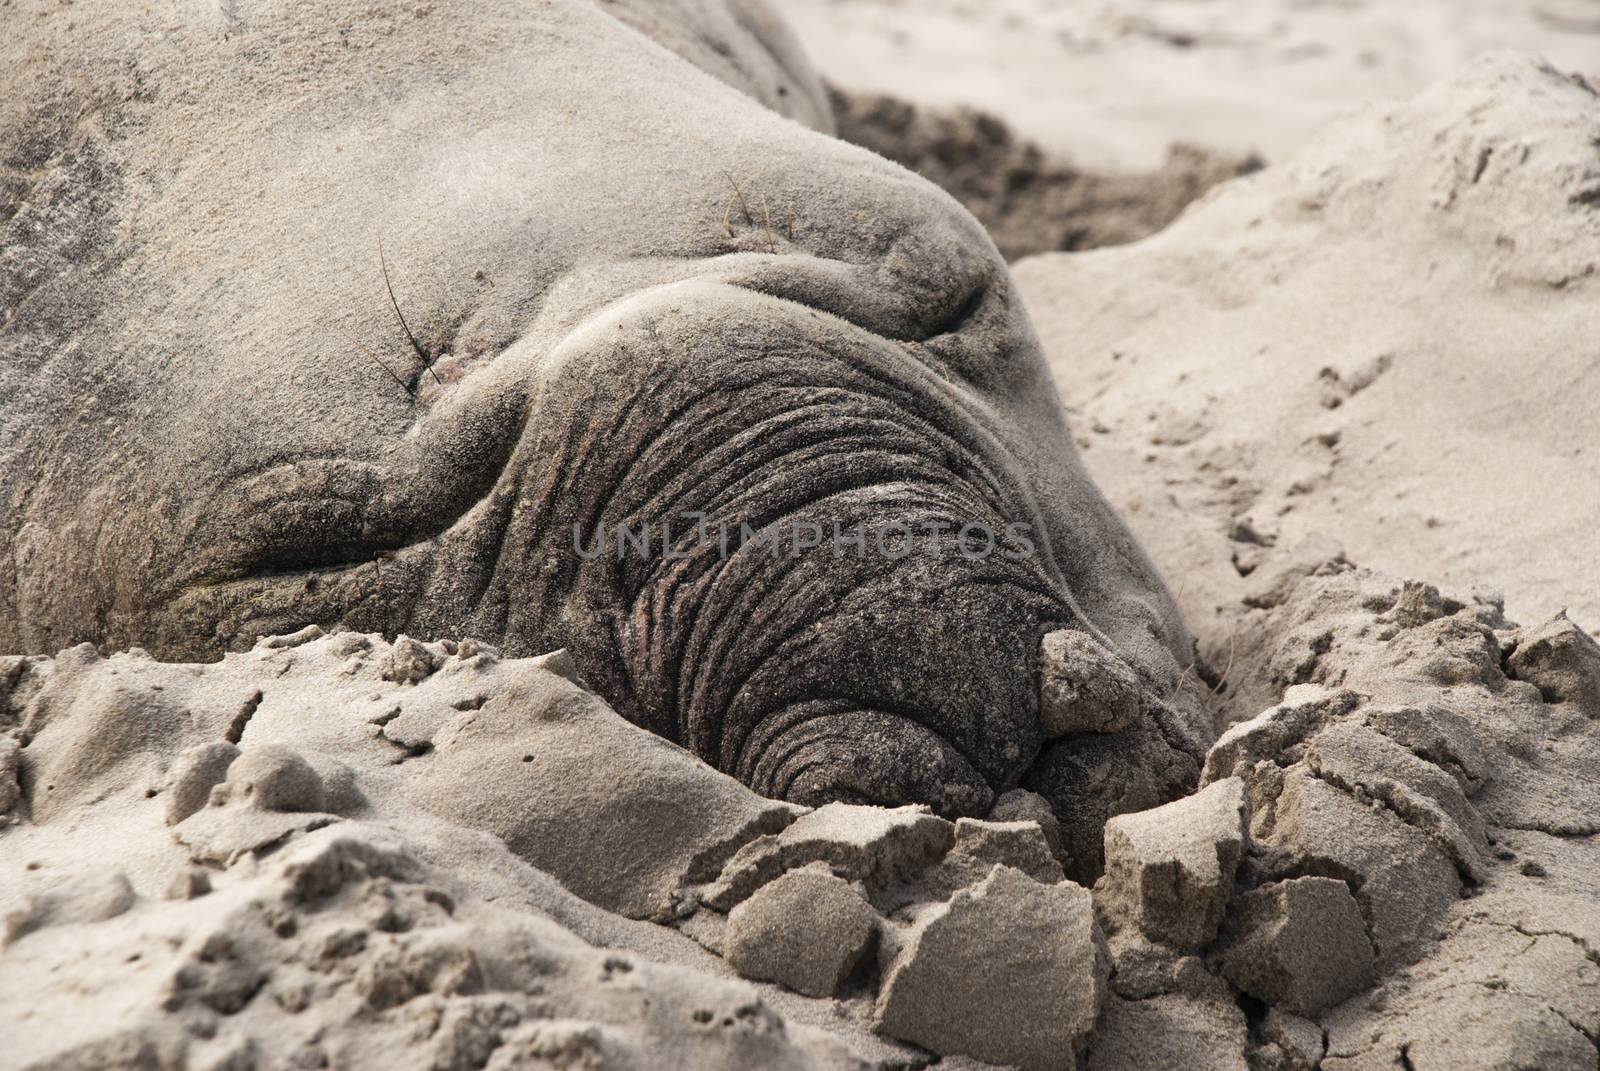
738 192
766 211
374 359
1233 647
1182 680
422 354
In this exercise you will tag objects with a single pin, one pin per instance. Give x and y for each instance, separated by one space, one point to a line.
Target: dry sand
1389 341
1113 83
1209 367
337 851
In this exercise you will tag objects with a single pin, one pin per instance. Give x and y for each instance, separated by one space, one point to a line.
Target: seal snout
813 564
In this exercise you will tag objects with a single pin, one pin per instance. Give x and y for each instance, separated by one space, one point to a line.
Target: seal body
477 319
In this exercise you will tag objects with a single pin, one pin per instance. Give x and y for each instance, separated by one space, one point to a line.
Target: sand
338 851
1386 342
1113 83
1029 199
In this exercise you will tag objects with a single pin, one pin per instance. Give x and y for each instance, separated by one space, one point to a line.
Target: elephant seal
441 318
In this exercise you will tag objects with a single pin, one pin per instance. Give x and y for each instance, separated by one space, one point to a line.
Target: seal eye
305 534
960 313
289 520
287 541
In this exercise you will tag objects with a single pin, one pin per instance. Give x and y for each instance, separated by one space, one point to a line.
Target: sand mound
1388 341
1029 201
1421 814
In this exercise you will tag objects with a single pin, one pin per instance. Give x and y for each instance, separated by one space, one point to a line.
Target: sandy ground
1209 367
1387 342
1114 83
1029 199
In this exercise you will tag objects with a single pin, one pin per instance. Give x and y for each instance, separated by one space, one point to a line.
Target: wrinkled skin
643 293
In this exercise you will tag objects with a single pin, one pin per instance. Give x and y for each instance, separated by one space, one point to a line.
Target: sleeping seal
557 324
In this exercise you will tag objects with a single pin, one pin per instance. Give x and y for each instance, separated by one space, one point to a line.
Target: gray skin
644 283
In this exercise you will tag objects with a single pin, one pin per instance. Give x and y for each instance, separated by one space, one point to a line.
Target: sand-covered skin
1113 83
1386 342
745 418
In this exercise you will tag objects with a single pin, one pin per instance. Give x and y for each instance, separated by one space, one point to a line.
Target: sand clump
1170 870
956 987
808 930
1300 945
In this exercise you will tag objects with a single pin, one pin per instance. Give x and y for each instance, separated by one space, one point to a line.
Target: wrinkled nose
773 534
